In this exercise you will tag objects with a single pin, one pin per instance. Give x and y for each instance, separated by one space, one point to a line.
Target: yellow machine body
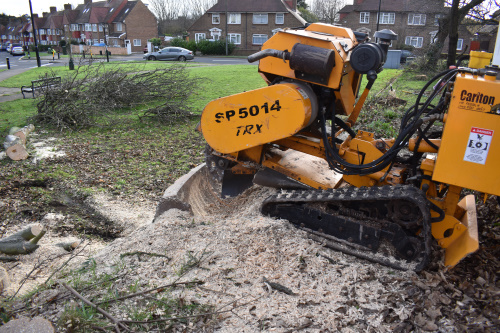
257 117
341 77
274 127
469 155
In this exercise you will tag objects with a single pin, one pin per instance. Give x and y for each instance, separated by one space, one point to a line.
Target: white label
478 145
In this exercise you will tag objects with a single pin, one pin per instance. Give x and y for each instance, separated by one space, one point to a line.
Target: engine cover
257 117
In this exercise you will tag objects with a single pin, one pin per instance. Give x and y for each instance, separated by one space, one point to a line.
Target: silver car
170 53
17 50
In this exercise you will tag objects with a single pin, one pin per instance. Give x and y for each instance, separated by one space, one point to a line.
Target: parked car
9 48
17 50
170 53
3 47
406 55
12 46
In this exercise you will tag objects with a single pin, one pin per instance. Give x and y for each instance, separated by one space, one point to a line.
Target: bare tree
476 10
176 16
327 10
199 7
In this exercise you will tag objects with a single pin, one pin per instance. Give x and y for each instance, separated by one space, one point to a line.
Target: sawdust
270 275
242 249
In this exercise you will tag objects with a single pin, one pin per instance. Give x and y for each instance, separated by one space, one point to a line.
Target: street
22 62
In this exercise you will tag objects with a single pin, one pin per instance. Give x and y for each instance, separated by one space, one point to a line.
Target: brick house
249 24
415 21
122 21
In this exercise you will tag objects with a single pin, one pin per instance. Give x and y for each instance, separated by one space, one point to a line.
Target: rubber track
358 195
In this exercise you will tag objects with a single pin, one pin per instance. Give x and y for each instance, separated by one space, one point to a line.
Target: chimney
53 10
67 6
45 14
86 2
292 4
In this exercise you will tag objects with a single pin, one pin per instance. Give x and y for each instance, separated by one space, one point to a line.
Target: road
18 62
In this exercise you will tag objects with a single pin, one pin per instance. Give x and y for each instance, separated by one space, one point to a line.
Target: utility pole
38 62
378 14
226 30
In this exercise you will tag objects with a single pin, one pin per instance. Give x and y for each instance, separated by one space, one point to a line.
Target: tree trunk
24 241
453 34
450 21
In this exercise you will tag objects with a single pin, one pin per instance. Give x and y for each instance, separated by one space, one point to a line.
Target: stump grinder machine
384 200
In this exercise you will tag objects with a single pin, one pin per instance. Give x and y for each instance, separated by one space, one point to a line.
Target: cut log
15 142
14 148
68 246
22 133
24 241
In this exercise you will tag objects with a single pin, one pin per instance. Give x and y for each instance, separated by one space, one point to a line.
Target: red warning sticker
478 145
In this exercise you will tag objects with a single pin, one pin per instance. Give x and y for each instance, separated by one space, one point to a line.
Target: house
414 21
117 22
485 36
121 21
249 23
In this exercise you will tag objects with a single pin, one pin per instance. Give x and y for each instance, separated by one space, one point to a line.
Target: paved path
10 94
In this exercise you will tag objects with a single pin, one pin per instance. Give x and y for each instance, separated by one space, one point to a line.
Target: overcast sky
20 7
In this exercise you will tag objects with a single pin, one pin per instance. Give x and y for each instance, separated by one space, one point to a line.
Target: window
234 18
96 41
280 18
364 17
437 17
100 27
259 18
58 32
460 44
416 19
387 18
414 41
137 42
216 18
235 38
199 36
215 33
101 40
259 39
88 27
94 27
118 27
42 32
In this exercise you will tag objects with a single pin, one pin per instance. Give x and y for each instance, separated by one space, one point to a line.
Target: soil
269 274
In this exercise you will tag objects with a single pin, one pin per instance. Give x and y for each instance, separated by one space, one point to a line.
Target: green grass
215 82
26 77
223 81
15 113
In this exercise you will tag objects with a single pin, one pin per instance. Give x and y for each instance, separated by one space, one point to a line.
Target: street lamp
38 62
104 26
